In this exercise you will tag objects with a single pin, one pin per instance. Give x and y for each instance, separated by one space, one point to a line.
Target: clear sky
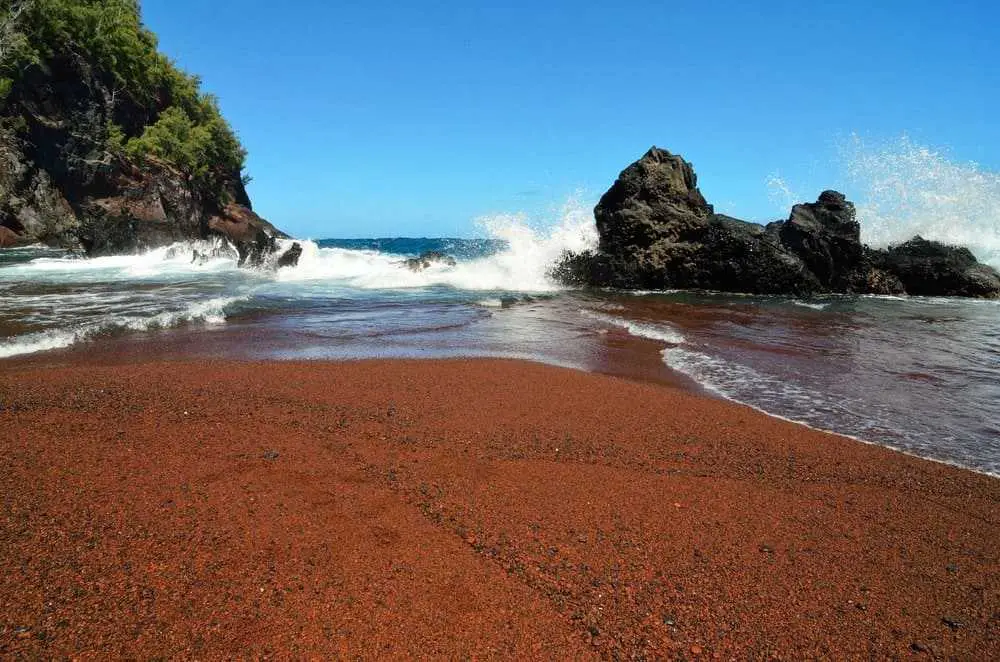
414 118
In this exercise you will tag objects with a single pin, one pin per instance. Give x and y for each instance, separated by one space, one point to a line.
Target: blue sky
412 119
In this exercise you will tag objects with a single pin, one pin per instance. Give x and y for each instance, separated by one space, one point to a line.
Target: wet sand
467 508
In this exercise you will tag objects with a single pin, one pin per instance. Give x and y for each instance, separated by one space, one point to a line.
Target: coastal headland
467 508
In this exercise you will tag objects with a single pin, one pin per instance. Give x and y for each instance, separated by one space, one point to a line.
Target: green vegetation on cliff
152 108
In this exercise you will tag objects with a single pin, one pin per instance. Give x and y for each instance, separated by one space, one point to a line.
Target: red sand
467 508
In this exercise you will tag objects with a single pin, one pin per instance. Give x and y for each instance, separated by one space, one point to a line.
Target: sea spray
780 193
529 251
908 189
903 189
533 249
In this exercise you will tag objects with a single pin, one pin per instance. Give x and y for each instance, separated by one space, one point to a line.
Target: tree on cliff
152 108
8 25
106 145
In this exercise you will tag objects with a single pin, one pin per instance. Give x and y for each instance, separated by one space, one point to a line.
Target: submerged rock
657 231
428 258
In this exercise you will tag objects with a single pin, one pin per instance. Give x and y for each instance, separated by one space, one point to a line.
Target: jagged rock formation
108 155
658 232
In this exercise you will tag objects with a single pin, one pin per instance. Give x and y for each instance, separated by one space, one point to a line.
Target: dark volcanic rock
878 280
135 209
290 258
122 208
737 256
254 238
427 258
930 268
658 232
655 199
826 236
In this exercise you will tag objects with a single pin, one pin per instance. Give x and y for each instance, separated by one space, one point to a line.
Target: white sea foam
28 248
754 389
644 293
652 331
812 305
523 266
192 257
210 312
39 342
798 404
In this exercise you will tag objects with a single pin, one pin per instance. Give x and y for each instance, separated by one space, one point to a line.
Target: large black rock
657 231
826 236
930 268
655 199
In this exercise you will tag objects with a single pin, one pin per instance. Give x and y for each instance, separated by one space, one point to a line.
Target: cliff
657 231
105 145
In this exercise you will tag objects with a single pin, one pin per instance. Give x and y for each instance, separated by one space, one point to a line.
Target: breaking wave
903 189
210 312
660 331
909 189
53 300
524 265
194 257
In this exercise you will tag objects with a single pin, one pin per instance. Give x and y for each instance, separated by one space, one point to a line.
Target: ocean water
920 375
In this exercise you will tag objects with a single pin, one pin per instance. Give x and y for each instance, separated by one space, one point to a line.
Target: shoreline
717 395
108 352
493 508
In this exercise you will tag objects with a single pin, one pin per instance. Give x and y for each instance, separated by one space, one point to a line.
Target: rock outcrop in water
657 231
428 258
105 146
934 269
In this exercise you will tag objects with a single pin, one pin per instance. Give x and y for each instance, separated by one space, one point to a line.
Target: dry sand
468 508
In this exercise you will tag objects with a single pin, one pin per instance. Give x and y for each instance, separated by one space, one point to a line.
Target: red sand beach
467 508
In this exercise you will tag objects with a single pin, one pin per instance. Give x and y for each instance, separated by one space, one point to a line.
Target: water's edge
831 363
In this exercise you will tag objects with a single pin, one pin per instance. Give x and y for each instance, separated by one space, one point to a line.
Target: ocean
920 375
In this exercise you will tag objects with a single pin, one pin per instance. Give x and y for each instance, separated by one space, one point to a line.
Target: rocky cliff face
658 232
64 181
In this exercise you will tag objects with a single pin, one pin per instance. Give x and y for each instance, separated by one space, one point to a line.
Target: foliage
206 150
116 138
106 33
108 38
